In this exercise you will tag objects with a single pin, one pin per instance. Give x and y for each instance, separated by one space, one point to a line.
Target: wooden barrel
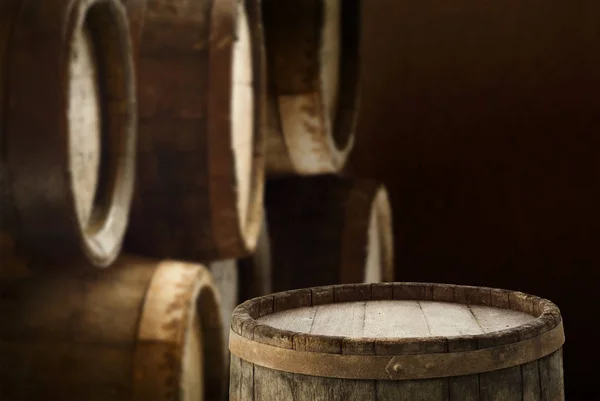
136 12
143 330
67 164
397 342
328 230
200 161
225 277
255 270
313 57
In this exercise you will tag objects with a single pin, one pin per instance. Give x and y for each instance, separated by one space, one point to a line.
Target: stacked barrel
163 161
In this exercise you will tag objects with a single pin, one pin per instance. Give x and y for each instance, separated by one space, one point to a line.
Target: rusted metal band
397 367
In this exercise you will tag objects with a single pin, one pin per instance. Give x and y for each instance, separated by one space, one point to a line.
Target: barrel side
255 271
72 336
320 231
186 159
306 218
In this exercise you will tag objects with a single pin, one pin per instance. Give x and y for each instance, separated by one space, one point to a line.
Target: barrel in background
313 53
200 159
328 230
397 341
142 330
255 270
69 131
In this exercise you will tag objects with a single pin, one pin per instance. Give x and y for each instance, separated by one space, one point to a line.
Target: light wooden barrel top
395 331
396 319
84 122
242 113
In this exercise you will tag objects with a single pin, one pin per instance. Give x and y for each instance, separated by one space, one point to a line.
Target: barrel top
394 318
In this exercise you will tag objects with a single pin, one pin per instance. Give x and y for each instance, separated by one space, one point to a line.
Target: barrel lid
395 330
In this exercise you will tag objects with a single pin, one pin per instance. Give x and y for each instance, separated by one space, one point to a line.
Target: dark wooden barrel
68 137
328 230
143 330
397 342
136 12
313 52
254 271
200 159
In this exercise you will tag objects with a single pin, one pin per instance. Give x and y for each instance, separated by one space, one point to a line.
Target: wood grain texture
314 101
396 319
84 117
135 332
447 326
58 107
255 271
200 160
321 231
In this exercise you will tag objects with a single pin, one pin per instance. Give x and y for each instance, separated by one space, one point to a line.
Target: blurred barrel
200 159
143 330
68 138
136 12
313 53
254 271
329 230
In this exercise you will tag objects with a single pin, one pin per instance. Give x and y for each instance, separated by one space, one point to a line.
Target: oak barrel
199 195
143 330
329 230
313 53
255 270
397 342
68 137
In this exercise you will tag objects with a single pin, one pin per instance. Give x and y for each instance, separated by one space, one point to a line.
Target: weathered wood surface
327 229
396 319
255 270
68 133
435 319
313 100
200 159
143 330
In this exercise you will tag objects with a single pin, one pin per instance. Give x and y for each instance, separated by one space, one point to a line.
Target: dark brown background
483 118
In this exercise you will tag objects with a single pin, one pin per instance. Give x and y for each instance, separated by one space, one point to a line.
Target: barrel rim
244 319
178 292
232 237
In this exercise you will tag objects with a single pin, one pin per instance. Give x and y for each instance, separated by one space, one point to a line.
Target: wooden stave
540 380
48 228
255 270
220 236
329 155
132 354
336 224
